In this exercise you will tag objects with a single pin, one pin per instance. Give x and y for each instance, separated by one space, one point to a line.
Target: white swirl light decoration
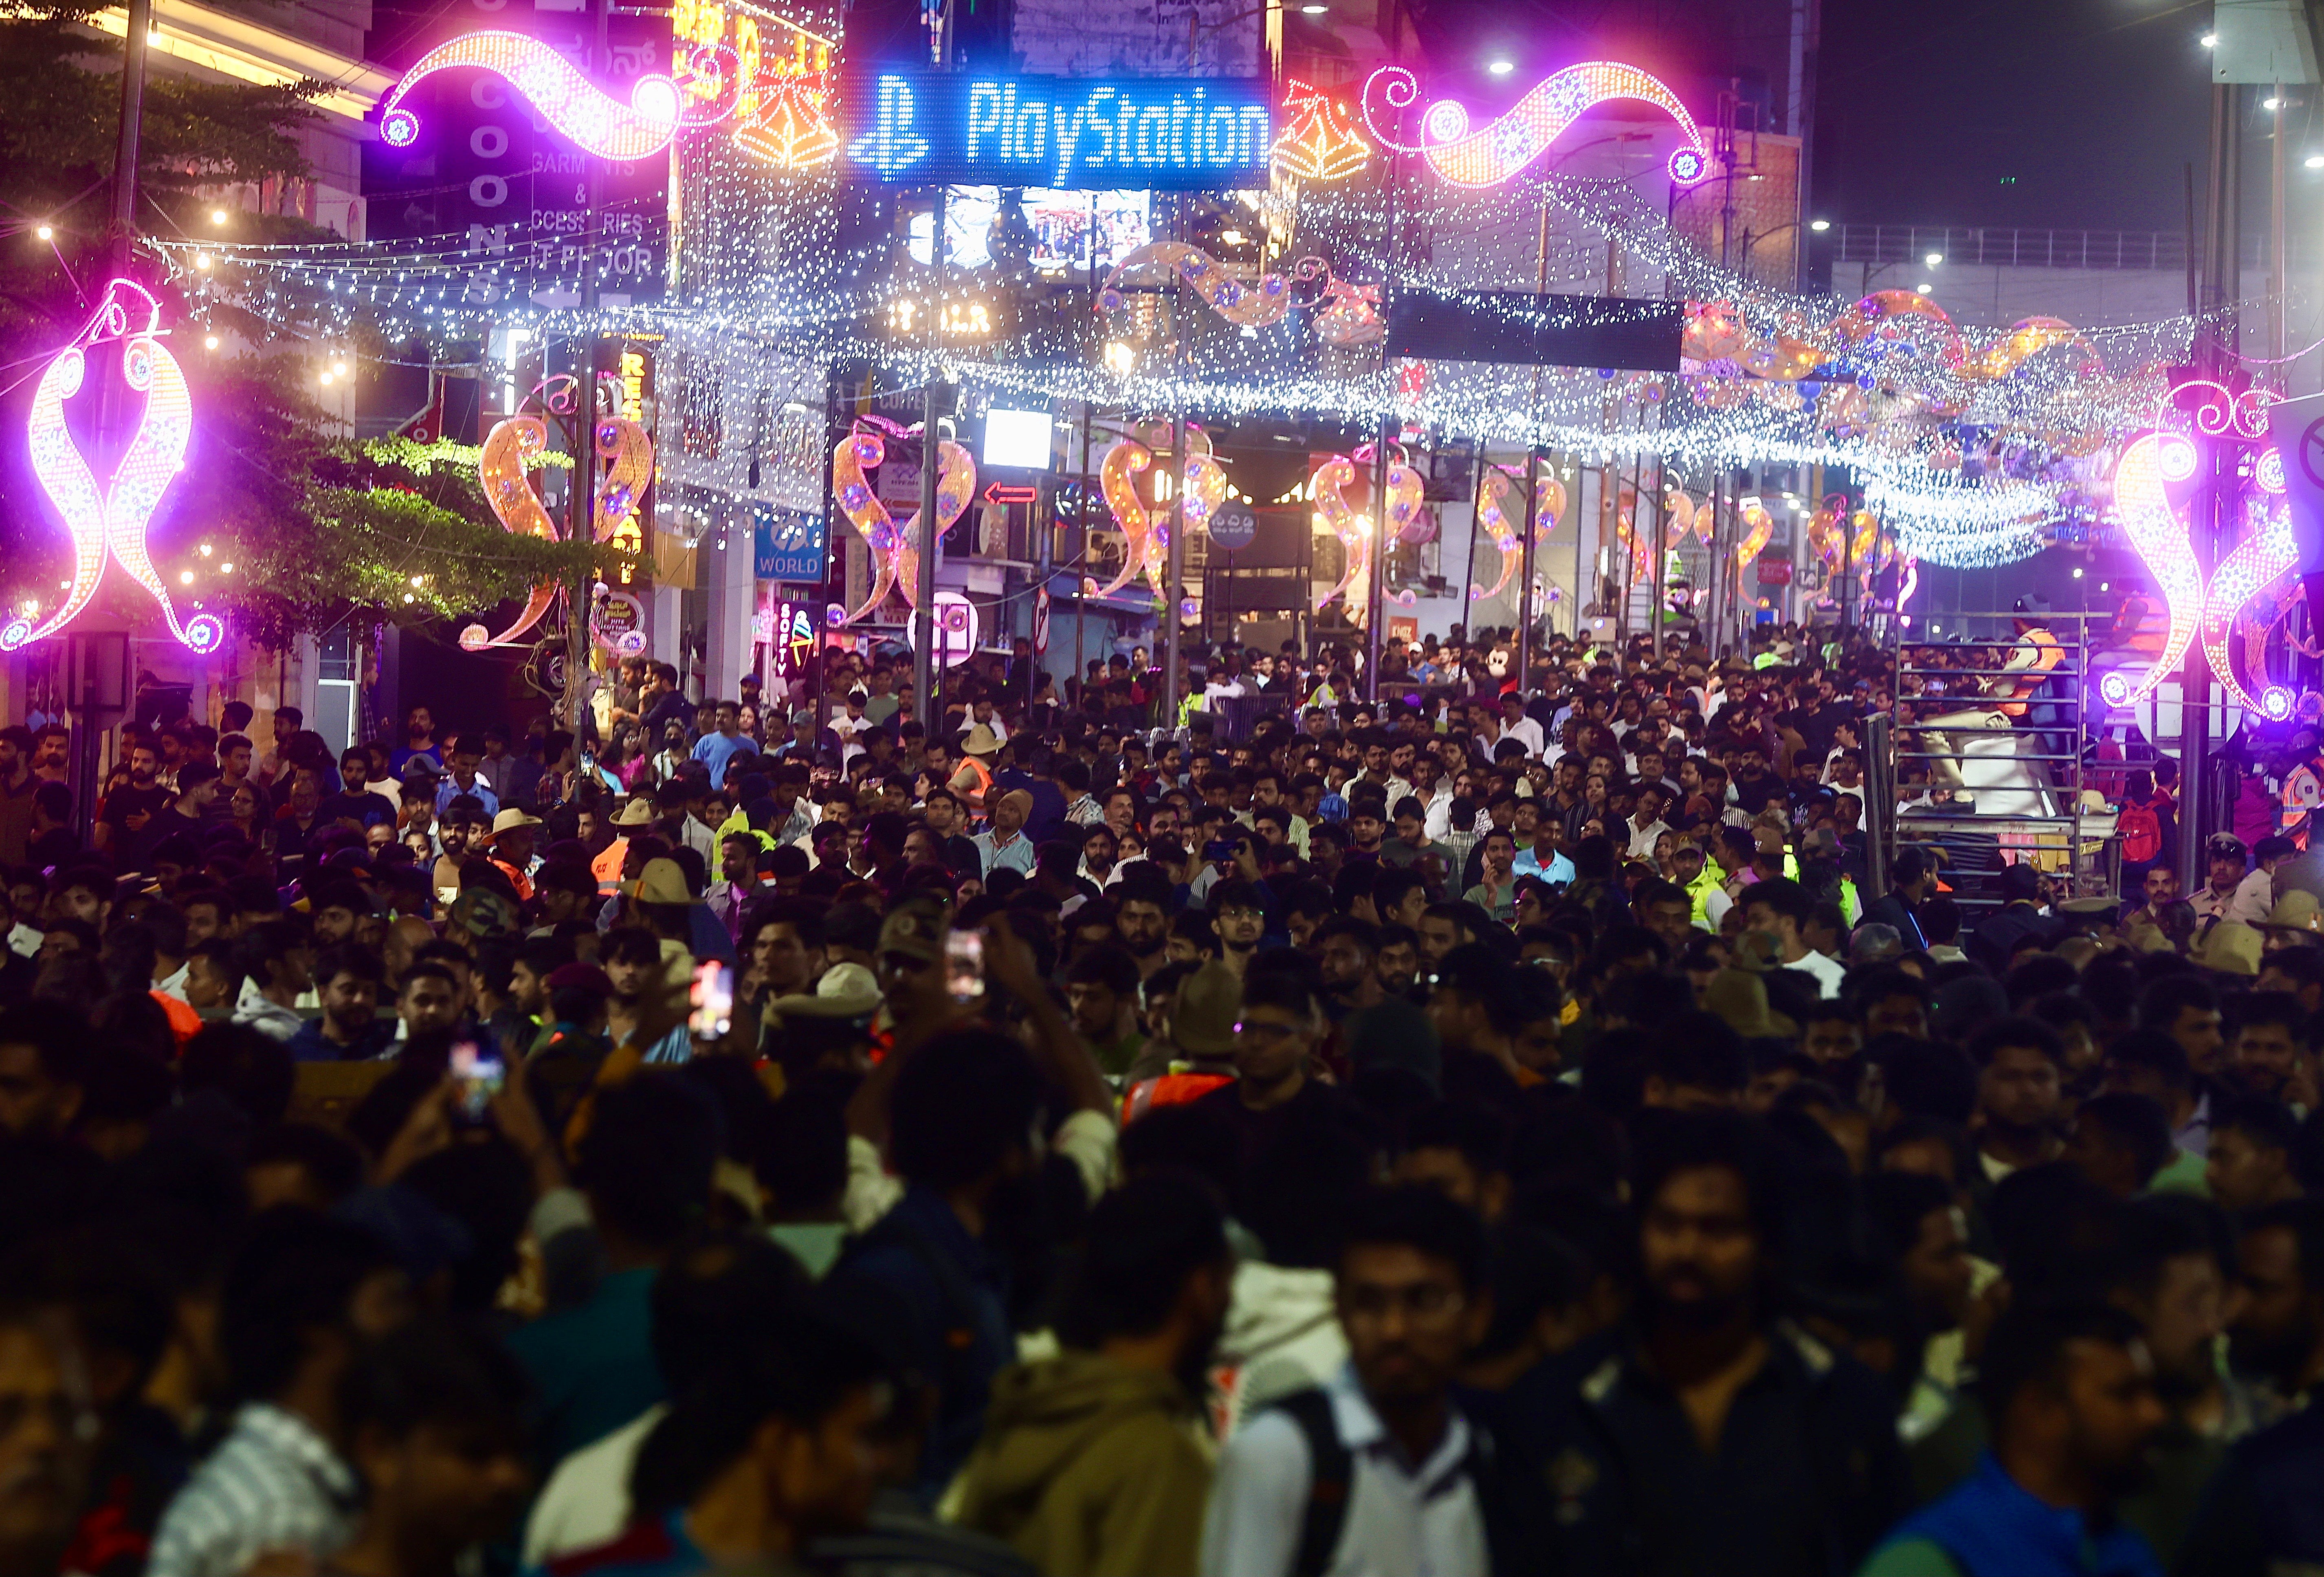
110 525
2155 530
593 119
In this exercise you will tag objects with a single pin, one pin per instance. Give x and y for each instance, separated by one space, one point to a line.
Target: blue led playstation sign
907 127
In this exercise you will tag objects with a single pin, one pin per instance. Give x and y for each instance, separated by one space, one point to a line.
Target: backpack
2141 830
1332 1477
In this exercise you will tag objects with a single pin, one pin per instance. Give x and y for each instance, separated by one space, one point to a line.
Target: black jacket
1807 1477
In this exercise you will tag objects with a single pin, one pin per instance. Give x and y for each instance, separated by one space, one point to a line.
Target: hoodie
255 1009
1090 1468
1283 1335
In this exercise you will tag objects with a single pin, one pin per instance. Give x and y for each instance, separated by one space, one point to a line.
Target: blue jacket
1992 1528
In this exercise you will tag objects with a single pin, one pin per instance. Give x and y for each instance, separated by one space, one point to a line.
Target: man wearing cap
631 820
1198 1055
2225 852
1005 846
972 782
509 846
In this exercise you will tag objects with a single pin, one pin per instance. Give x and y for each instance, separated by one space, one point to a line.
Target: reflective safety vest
1850 905
1699 890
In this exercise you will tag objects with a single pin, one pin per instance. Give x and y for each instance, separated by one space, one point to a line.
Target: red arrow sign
1003 493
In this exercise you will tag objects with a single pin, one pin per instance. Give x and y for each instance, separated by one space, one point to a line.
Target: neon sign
109 523
593 119
916 128
1507 144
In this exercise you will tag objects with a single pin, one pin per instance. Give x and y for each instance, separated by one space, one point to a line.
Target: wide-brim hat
2230 947
638 812
1210 1003
980 741
846 991
509 821
660 881
2296 910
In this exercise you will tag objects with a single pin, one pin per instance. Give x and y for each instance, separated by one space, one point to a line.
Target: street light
2210 41
1819 226
1501 68
1933 259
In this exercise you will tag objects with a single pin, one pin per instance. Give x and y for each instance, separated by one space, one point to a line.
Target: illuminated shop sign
917 128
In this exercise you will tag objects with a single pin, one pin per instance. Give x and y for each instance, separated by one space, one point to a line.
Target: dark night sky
2042 112
2071 113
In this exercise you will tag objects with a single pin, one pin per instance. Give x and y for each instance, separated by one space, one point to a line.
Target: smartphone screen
480 1078
964 964
712 995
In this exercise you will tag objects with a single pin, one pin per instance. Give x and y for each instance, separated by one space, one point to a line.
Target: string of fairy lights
1969 465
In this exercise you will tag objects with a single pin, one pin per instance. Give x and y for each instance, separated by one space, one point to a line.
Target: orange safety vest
607 867
2047 654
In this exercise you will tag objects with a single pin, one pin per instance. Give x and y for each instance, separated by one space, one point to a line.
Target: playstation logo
891 146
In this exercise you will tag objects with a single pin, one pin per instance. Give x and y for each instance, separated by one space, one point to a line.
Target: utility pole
927 672
134 48
2222 266
580 501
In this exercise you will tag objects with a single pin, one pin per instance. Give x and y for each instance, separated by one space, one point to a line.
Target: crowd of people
1498 1127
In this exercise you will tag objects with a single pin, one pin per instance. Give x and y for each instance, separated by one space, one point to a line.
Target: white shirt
1642 839
2254 897
1401 1521
586 1501
1526 732
23 941
1829 972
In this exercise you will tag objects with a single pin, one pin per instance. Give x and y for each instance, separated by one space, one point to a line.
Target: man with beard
2276 1339
348 978
1706 1435
1141 916
127 828
1089 1461
50 759
2072 1394
1379 1468
454 834
1345 949
16 784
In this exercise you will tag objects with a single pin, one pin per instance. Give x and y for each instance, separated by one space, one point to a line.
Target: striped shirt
274 1484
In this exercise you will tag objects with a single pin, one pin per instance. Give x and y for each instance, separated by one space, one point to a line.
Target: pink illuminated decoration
591 118
2154 529
501 468
109 523
2259 567
1498 150
895 550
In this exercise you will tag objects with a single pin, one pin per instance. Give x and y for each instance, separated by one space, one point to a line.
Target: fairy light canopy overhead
1971 442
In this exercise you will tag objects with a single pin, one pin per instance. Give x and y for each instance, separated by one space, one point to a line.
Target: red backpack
2141 830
